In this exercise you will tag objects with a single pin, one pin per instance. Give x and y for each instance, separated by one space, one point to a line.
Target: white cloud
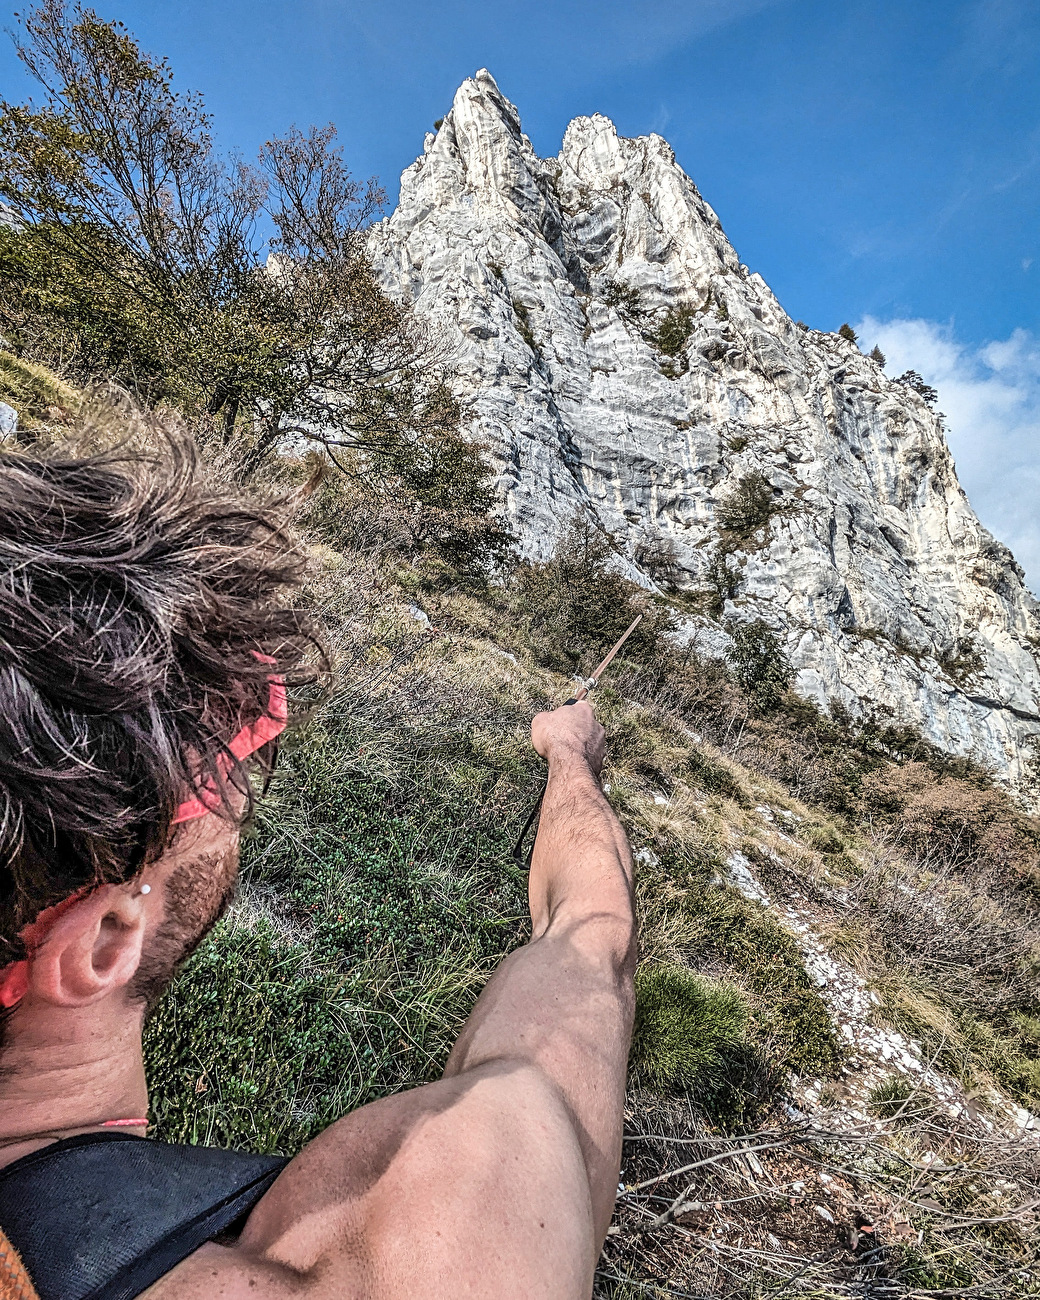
991 397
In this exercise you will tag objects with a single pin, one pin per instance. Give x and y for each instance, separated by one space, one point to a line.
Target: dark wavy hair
135 596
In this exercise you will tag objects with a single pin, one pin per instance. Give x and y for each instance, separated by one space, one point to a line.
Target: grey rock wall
550 280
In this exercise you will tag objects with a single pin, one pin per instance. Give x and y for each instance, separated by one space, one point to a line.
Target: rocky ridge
617 358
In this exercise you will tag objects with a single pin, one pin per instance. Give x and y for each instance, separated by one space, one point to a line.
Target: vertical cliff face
617 358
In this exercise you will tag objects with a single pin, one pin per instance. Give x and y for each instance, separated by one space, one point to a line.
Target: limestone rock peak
617 357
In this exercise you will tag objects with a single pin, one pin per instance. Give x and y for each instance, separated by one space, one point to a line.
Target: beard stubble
198 893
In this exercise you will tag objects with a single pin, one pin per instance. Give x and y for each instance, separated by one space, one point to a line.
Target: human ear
93 950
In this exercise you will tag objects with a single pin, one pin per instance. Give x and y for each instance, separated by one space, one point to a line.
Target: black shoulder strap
104 1215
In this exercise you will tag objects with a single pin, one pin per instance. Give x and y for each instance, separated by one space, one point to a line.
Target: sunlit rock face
555 285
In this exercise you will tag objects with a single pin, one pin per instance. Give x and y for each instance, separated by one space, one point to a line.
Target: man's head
141 611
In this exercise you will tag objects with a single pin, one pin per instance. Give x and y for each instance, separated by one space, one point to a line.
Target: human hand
570 730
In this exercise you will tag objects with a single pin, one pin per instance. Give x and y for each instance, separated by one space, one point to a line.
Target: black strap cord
518 848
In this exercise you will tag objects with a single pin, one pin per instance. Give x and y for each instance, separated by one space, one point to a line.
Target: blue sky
876 161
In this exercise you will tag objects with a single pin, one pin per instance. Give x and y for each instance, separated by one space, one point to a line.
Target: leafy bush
760 664
913 380
450 479
59 303
577 604
748 508
623 297
430 500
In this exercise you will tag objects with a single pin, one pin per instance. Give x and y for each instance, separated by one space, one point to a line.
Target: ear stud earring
146 889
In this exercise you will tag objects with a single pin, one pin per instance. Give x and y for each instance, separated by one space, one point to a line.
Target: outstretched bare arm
564 1002
499 1179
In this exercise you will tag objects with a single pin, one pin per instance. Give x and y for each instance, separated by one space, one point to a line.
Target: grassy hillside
788 865
379 892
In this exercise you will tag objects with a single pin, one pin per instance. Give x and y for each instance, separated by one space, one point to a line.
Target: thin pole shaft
518 850
610 657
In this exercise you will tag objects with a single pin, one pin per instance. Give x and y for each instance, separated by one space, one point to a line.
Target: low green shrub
787 1010
675 328
379 894
576 604
760 664
942 1270
706 774
1006 1047
747 511
623 297
901 1101
691 1037
262 1042
670 339
713 927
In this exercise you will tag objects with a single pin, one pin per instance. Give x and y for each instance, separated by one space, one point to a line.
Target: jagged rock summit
618 358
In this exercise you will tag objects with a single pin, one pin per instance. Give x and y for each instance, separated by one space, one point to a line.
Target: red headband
265 729
14 977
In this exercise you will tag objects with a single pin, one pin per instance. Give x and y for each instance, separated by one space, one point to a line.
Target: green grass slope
379 892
